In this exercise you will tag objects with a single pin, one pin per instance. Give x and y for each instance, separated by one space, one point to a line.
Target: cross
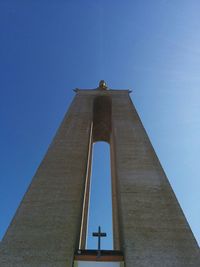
99 234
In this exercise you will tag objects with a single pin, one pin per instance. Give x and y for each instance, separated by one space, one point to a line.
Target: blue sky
50 47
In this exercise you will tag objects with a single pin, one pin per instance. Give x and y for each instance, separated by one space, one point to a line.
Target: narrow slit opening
100 203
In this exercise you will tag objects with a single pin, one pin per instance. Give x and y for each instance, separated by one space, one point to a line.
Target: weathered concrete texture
149 225
45 229
153 229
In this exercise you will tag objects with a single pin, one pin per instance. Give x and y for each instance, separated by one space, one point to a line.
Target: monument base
95 258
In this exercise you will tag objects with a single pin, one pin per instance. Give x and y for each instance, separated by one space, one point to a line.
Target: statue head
102 85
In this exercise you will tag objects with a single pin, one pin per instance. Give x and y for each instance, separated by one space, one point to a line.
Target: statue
102 85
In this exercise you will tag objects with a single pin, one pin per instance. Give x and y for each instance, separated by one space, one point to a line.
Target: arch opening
100 199
100 203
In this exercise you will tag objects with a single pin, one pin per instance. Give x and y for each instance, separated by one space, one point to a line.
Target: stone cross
99 234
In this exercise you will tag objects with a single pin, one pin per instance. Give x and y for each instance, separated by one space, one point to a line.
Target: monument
149 227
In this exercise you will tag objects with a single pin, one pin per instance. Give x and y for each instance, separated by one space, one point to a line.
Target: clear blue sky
49 47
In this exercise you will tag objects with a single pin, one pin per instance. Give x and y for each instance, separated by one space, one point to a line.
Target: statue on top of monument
102 85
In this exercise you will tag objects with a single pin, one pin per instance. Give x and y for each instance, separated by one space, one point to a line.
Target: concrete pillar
45 230
153 229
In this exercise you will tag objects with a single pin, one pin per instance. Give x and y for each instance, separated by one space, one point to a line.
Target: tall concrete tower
50 224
